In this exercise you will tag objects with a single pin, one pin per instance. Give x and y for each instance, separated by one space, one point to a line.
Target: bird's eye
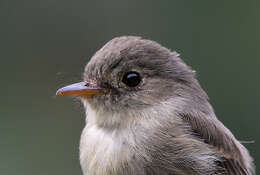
131 79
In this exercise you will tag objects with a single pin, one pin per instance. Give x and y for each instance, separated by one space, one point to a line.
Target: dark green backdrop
46 44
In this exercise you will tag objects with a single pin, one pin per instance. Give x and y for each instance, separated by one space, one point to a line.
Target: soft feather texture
164 126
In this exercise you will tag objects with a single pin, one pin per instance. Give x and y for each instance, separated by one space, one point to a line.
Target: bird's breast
101 151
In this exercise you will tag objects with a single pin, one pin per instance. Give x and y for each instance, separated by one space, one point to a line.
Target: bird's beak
84 89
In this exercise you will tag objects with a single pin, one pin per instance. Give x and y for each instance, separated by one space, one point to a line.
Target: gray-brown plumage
147 115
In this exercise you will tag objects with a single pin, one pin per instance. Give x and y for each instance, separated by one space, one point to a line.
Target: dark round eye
131 79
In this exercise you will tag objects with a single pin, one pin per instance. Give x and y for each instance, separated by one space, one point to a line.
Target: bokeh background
46 44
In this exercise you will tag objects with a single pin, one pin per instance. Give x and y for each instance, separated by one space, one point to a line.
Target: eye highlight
131 79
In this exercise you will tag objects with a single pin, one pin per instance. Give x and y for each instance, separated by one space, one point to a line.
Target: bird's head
130 74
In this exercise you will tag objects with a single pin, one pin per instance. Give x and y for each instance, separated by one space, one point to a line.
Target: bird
146 114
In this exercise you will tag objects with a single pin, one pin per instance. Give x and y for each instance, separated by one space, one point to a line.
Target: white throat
108 140
103 150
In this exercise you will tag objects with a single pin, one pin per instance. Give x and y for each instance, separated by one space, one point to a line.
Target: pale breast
102 151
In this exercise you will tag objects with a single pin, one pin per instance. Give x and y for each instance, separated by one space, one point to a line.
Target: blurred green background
46 44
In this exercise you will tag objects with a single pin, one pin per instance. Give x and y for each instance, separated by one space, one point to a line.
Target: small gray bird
146 114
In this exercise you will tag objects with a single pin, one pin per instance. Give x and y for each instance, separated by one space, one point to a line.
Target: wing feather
234 157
